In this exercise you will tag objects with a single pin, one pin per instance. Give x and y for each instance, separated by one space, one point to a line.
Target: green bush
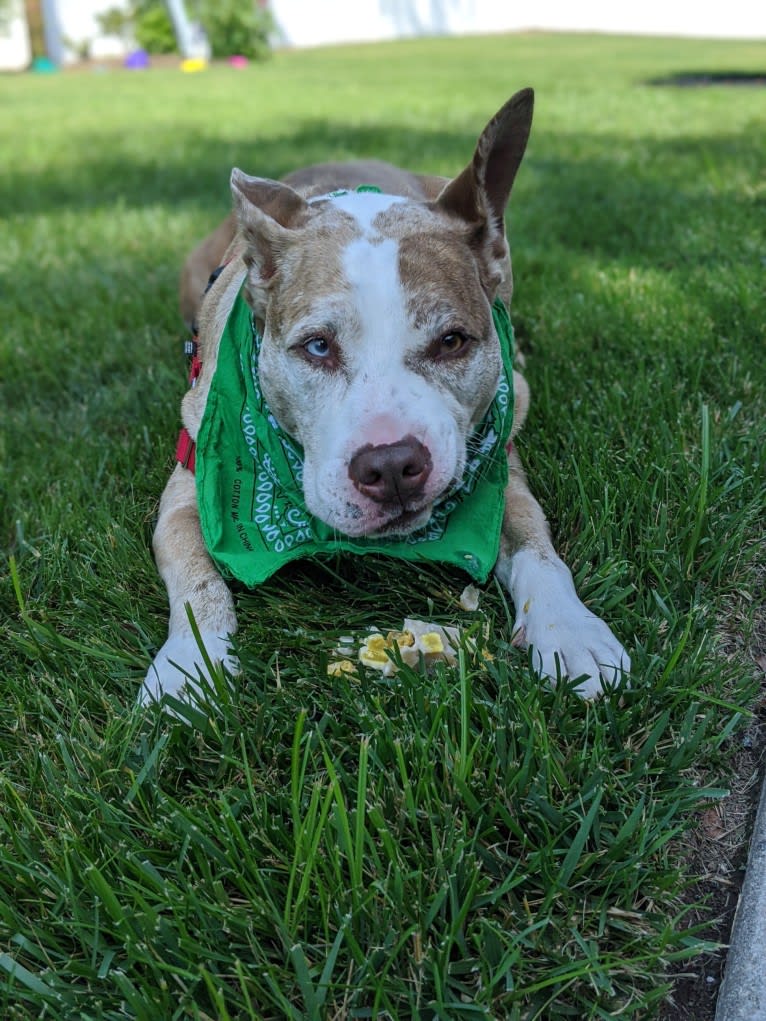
237 27
115 21
153 28
145 21
232 26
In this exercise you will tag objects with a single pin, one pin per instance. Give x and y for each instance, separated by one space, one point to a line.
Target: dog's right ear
266 211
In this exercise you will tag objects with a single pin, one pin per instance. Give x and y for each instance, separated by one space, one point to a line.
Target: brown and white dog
394 288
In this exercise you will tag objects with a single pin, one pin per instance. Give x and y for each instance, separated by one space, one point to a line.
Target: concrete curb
743 991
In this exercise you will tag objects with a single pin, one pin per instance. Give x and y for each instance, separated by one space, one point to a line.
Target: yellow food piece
404 639
375 643
431 642
341 666
372 652
416 638
376 660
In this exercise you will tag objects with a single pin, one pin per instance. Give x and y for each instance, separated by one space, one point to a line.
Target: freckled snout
391 472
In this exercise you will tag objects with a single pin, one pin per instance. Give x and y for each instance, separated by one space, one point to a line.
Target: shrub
237 27
153 28
232 26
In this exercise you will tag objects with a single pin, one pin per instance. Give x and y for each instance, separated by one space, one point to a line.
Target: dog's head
379 354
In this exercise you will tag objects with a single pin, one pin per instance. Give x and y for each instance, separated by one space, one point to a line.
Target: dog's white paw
565 637
179 666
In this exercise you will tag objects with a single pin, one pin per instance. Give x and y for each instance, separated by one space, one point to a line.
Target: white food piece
469 598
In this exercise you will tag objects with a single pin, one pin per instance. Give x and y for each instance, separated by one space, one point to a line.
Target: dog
369 380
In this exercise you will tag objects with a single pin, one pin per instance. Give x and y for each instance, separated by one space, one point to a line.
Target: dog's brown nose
391 472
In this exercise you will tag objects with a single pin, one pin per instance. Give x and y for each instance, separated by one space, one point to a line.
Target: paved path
743 991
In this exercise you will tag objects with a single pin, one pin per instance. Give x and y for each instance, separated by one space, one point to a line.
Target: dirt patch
716 849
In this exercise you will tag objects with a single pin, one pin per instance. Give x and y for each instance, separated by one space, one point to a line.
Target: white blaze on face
385 400
364 207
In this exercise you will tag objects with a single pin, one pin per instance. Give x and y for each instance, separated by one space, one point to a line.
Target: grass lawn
458 845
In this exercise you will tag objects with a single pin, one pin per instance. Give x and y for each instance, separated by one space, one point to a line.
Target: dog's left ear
480 194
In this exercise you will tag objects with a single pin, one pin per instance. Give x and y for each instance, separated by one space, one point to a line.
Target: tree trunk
34 13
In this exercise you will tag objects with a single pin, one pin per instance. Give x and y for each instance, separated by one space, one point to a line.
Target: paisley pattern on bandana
249 477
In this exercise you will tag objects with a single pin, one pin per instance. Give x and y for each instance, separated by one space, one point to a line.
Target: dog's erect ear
481 191
266 211
480 194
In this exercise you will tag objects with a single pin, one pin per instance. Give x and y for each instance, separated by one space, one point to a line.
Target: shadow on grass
105 168
697 79
620 198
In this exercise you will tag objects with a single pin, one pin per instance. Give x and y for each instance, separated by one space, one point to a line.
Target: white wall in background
313 23
318 22
77 24
15 52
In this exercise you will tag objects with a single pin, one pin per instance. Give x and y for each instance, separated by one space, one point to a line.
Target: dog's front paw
566 639
179 666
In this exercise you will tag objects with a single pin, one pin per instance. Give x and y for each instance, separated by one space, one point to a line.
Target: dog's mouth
386 524
351 514
404 523
393 519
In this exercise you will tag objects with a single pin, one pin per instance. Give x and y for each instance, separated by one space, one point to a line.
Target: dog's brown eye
452 343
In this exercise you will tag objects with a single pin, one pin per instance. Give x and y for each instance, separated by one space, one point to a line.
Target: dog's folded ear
480 194
266 211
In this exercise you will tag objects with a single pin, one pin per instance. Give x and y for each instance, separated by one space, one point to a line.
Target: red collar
186 450
186 447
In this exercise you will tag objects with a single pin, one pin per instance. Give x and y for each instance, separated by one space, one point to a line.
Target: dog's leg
565 637
191 578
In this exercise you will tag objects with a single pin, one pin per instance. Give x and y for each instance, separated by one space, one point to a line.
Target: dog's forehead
374 216
365 207
375 249
374 228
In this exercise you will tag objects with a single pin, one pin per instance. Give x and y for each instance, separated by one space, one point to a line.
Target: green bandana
249 477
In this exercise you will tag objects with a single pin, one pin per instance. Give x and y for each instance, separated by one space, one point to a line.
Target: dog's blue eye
317 347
